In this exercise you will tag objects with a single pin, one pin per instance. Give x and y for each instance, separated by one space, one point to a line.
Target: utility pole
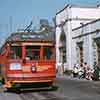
10 23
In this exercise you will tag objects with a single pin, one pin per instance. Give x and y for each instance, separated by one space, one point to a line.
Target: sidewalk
70 77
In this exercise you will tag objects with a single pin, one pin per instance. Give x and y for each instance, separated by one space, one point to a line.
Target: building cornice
82 35
70 19
62 9
76 6
86 24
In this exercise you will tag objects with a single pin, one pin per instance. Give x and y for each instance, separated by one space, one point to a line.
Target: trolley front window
15 52
33 52
48 53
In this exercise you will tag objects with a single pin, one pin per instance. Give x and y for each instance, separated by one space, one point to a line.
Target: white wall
91 13
77 15
88 40
61 17
58 31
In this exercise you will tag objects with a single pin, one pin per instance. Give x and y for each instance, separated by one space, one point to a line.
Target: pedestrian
75 70
96 73
95 65
60 70
81 72
85 69
88 73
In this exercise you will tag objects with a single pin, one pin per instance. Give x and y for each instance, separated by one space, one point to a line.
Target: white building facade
67 20
86 42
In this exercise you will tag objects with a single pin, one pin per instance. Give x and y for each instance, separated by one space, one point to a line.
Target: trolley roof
30 36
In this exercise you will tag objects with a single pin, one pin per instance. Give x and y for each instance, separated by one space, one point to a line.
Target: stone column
90 41
69 45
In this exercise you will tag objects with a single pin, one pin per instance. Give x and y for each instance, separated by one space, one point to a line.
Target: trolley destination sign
32 36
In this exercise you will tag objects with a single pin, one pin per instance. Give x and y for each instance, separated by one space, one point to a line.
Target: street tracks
42 96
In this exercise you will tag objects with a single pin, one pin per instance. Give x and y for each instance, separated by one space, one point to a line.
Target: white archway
62 48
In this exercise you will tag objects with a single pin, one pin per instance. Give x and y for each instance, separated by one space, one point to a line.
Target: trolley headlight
33 68
15 66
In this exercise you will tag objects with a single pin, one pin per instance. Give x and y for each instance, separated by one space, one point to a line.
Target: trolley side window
33 52
48 53
15 52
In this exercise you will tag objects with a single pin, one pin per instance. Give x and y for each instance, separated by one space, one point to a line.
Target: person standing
60 71
87 71
75 70
96 73
84 70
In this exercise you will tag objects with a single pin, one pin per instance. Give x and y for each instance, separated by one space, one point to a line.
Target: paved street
68 89
79 89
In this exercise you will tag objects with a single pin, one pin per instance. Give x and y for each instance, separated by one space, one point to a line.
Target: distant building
44 22
68 19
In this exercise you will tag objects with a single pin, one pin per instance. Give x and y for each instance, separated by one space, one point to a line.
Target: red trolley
28 60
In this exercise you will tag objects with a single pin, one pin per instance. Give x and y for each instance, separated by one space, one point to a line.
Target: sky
17 14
